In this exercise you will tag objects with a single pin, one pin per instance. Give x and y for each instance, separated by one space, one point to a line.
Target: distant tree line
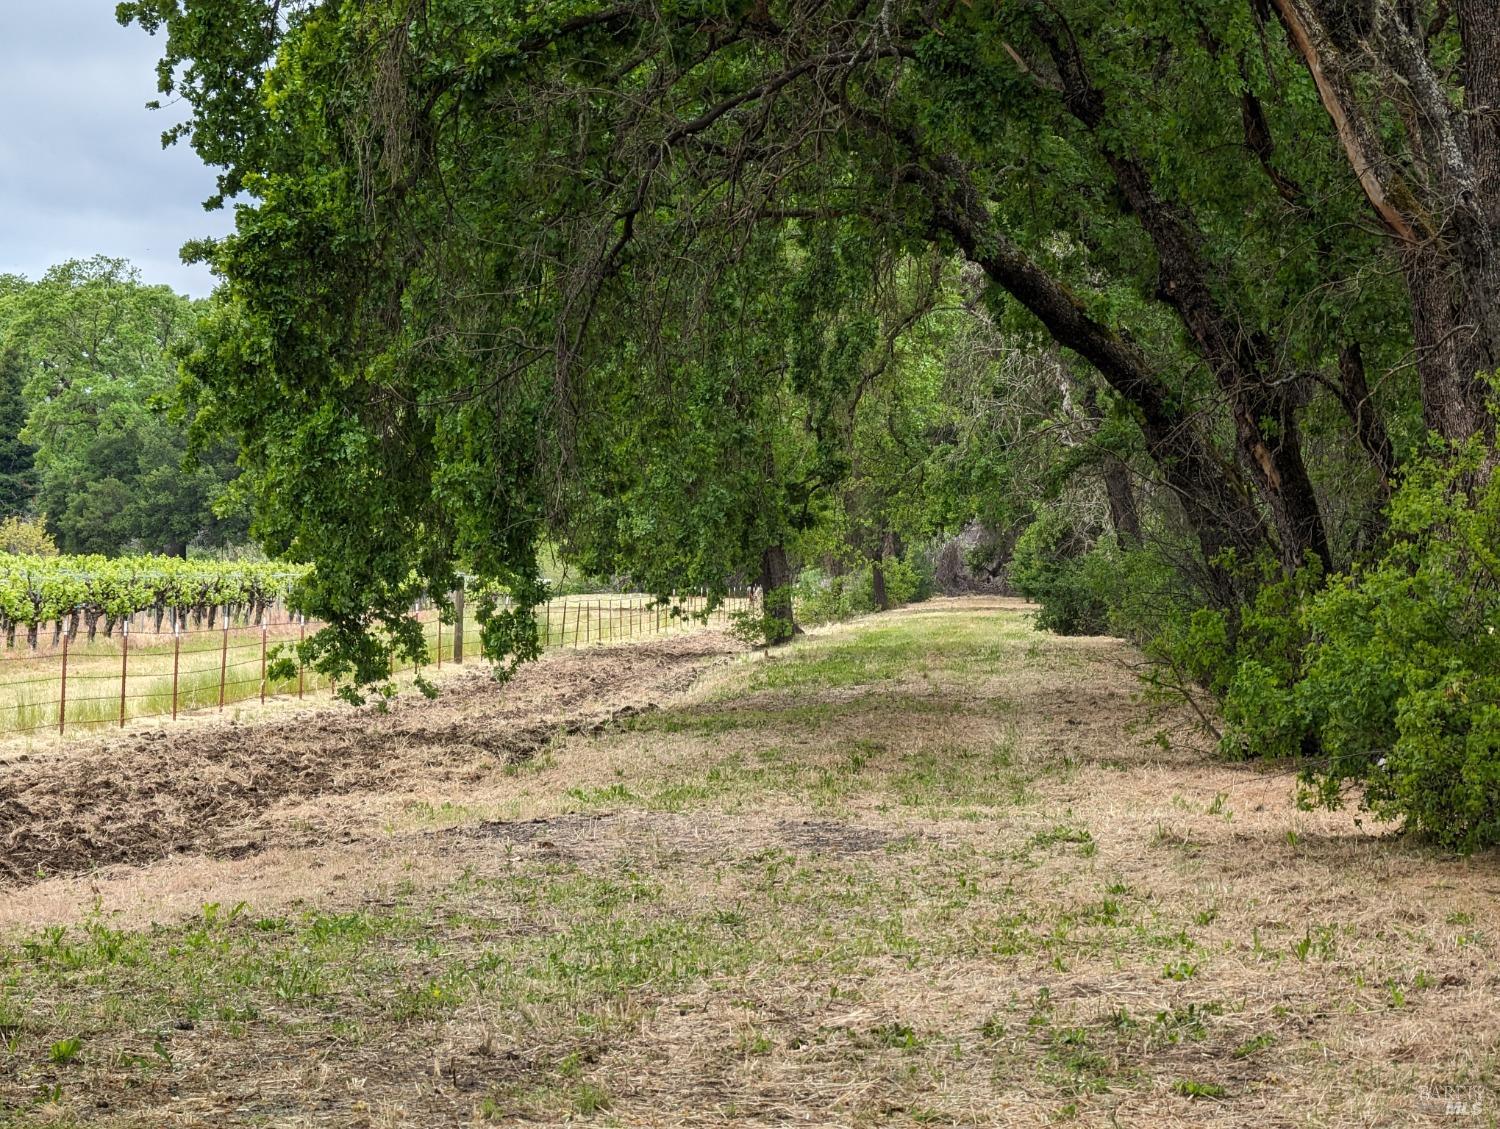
89 447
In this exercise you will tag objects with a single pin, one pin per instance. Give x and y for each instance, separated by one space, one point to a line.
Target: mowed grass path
927 869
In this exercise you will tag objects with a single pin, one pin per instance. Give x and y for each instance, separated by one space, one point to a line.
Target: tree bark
1479 32
1242 359
775 589
1120 491
877 572
1214 502
1439 196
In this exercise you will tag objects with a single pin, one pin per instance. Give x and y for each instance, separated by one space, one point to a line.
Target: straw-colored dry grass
209 668
928 869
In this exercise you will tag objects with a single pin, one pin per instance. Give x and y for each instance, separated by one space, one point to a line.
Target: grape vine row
83 590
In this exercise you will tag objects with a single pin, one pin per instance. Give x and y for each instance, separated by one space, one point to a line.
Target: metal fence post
301 669
458 624
262 658
176 658
124 662
223 658
62 703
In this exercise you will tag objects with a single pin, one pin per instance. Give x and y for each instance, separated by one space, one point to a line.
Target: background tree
27 536
18 478
712 459
96 347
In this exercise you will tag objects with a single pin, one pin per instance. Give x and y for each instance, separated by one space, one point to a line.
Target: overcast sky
82 170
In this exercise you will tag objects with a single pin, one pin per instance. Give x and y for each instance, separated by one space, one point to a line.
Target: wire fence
146 666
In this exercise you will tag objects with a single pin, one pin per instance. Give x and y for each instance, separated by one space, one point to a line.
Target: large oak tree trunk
1214 501
1262 400
885 548
1123 514
1479 32
775 588
1436 347
1435 188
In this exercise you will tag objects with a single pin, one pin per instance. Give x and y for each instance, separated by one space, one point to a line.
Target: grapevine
81 591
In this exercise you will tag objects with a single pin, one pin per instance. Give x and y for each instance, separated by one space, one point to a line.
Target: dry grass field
209 668
924 869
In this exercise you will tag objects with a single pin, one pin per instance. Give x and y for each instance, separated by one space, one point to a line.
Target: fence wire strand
188 686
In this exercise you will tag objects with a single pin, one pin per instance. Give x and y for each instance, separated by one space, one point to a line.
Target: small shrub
1188 1088
1072 584
761 627
1385 678
27 535
1395 687
821 598
909 579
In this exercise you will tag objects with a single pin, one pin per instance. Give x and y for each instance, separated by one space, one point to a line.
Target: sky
82 170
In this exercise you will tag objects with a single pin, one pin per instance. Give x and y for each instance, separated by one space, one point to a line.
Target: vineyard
81 593
106 641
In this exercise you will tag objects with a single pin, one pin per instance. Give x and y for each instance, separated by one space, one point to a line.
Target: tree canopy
89 352
675 282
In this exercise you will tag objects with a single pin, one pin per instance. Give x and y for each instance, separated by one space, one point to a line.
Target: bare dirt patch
153 794
608 835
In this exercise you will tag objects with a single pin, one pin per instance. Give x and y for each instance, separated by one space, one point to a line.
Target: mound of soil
154 793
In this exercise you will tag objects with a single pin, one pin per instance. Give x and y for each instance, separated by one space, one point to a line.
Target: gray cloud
82 170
